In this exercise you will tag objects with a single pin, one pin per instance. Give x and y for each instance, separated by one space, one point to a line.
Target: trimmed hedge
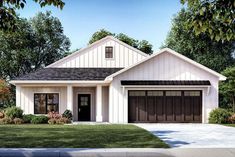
219 116
14 112
39 120
27 118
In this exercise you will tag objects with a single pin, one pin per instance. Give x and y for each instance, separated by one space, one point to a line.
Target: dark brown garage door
165 106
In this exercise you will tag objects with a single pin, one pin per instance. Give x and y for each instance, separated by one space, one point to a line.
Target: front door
84 107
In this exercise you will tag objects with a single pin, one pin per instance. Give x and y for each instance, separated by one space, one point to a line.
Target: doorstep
117 152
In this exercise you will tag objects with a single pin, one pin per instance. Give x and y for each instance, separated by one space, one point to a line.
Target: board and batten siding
94 56
165 66
25 97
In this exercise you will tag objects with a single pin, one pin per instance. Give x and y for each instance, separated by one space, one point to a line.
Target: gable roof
221 77
69 74
94 44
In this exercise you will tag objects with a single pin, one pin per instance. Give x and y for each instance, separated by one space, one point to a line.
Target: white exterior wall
124 56
166 66
25 96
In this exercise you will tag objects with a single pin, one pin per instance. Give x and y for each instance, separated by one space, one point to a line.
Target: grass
232 125
77 136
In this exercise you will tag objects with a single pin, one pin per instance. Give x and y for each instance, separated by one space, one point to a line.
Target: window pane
173 93
46 102
108 52
137 93
192 93
155 93
40 103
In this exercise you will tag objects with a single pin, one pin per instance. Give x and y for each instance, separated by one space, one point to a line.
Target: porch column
99 117
70 98
18 95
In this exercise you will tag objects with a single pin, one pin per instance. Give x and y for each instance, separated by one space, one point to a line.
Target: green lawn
77 136
232 125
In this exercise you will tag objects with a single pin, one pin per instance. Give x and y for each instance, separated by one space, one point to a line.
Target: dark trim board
167 82
170 108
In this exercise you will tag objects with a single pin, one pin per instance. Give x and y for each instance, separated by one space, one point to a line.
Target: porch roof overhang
166 82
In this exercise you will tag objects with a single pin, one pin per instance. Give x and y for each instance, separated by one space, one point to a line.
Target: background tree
201 48
143 45
5 93
8 11
36 43
227 88
212 17
99 35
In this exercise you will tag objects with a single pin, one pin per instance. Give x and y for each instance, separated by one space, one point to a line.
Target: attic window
108 52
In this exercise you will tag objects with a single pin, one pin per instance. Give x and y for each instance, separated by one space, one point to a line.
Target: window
108 52
155 93
84 100
173 93
192 93
137 93
46 102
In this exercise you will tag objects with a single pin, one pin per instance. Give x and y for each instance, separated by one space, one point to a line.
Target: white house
110 81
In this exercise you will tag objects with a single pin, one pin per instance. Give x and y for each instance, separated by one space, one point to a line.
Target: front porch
88 104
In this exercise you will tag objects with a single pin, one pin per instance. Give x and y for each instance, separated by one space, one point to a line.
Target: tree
99 35
227 87
36 43
201 48
8 11
212 17
143 45
5 92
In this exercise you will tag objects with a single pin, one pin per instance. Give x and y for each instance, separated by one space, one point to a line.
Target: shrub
6 120
52 121
2 114
27 118
14 112
63 120
67 114
54 115
39 120
219 116
231 119
18 121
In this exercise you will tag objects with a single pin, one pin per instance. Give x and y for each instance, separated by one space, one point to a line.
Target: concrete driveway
193 135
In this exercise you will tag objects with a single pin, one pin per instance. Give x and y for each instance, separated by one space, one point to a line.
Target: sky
140 19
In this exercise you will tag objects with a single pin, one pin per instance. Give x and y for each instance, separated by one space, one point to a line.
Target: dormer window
108 52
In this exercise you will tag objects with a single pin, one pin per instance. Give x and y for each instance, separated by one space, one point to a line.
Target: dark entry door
84 107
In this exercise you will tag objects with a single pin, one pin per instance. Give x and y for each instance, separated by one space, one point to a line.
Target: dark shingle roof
165 82
69 74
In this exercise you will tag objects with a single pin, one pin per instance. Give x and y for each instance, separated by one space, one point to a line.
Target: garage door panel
132 108
187 108
151 108
169 109
178 108
160 113
142 109
165 106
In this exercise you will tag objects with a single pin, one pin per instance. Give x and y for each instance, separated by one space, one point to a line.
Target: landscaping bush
2 115
52 121
27 118
39 120
54 115
231 119
219 116
6 120
67 114
18 121
14 112
63 120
